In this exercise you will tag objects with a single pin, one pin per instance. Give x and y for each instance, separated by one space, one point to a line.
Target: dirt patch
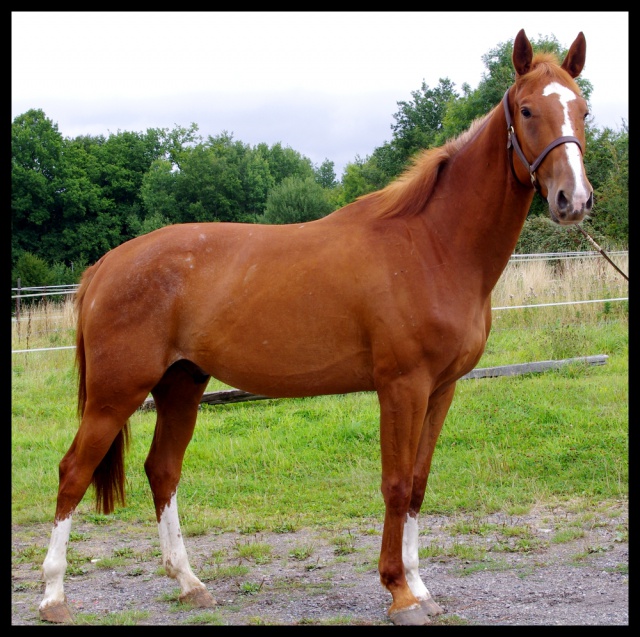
549 567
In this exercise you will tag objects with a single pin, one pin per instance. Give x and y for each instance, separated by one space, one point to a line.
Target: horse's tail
108 477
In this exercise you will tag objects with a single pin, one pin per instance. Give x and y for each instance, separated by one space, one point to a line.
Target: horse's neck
477 207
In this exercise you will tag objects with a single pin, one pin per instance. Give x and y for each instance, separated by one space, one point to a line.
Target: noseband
512 142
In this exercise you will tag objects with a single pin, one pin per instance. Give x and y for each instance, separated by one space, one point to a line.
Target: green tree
32 271
419 120
209 183
325 174
285 162
79 199
75 199
176 141
257 181
540 234
296 200
219 179
158 194
36 156
607 164
359 178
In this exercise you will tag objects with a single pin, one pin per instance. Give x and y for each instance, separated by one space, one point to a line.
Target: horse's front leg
438 407
403 406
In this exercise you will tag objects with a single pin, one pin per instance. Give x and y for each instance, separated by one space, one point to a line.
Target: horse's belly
285 357
287 374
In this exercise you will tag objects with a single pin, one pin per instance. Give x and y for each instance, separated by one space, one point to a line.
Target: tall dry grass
45 323
538 282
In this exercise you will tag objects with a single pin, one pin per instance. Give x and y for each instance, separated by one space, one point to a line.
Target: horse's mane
408 193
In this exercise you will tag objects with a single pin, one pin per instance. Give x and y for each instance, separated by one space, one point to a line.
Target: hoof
198 598
57 613
430 607
411 616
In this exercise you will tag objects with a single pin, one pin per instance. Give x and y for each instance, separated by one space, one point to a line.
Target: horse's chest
457 345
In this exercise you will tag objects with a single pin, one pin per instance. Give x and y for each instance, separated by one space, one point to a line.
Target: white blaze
574 156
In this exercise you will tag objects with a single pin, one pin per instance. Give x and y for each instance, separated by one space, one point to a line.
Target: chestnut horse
391 293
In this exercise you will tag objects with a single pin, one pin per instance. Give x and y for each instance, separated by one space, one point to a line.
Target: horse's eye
586 115
526 113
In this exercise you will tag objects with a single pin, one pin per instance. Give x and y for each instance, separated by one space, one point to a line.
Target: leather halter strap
512 143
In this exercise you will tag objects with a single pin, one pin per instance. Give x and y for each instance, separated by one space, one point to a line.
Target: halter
512 142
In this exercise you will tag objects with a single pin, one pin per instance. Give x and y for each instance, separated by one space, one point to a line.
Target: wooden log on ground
532 368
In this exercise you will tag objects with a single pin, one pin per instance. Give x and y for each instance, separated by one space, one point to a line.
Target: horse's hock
350 302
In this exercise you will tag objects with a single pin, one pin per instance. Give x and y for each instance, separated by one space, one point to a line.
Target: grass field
507 444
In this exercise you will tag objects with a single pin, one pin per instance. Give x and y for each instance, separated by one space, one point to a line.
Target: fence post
18 304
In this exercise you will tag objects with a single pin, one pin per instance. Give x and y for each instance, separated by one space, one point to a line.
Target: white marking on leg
410 558
574 156
55 564
174 554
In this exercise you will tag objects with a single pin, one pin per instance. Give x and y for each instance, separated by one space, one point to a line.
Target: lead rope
600 250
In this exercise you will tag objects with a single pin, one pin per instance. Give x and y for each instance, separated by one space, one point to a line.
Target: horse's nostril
561 201
589 203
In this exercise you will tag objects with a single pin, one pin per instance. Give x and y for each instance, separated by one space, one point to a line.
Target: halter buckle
510 133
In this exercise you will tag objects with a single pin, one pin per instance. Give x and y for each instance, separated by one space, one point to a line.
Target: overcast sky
324 83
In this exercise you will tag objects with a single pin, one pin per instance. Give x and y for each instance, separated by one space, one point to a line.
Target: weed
345 544
123 552
259 552
250 588
567 535
30 554
218 573
285 527
301 552
208 618
124 618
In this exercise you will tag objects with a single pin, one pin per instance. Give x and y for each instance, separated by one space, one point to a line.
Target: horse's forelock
546 65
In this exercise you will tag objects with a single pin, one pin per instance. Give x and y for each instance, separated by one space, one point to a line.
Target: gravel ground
549 567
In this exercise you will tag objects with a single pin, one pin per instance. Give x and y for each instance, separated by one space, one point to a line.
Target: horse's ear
522 53
574 62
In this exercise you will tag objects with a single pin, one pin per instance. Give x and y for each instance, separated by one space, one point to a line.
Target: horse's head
545 120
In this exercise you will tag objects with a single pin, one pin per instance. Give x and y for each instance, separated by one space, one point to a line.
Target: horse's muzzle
569 210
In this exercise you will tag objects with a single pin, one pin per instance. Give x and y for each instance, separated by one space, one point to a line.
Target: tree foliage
296 200
540 234
608 168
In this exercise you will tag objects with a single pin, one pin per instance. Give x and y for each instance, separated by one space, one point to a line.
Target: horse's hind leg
98 431
436 412
177 397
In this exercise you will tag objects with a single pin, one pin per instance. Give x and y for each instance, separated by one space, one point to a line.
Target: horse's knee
396 494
